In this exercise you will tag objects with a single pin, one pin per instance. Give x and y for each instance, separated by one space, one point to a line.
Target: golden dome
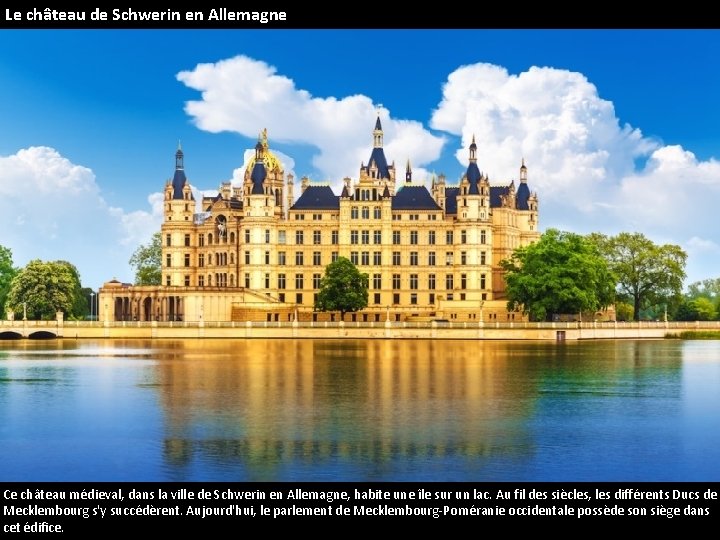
270 160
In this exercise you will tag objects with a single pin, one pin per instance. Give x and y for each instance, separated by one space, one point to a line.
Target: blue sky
618 127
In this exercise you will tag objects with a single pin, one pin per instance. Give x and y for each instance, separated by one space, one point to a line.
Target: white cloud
51 209
696 244
243 95
582 160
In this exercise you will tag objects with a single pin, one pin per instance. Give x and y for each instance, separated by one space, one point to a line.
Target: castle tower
177 223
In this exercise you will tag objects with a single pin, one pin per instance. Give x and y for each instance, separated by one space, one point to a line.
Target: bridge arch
9 334
42 334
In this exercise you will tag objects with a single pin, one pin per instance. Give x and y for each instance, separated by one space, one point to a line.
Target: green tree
623 311
647 273
696 309
562 272
708 288
147 261
343 288
45 288
7 273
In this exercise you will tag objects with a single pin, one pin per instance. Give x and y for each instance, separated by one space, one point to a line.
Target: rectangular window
299 281
413 298
281 281
463 281
281 296
353 237
187 259
396 237
463 257
167 280
187 240
267 236
413 258
267 281
449 258
413 237
482 281
299 237
267 257
247 236
168 260
298 298
431 298
365 237
396 281
317 258
449 282
334 256
482 257
317 237
377 214
317 217
187 281
431 258
414 281
282 237
431 282
201 260
377 258
299 258
377 237
317 278
463 237
201 240
365 211
431 237
201 281
483 238
281 258
354 212
449 238
247 257
354 257
376 297
335 237
168 240
396 258
365 258
396 299
377 281
247 280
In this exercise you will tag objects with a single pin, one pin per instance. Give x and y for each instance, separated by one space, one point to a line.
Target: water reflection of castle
265 402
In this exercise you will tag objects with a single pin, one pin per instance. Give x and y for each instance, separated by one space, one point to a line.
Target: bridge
556 331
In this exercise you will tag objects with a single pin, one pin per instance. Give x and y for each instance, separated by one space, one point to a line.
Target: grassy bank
695 334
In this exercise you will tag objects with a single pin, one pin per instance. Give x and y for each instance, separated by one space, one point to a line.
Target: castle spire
408 172
378 133
473 150
523 172
179 158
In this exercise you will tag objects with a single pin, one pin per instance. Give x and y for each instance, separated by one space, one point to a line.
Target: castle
256 253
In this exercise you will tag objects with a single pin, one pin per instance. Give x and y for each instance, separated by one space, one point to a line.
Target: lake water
353 410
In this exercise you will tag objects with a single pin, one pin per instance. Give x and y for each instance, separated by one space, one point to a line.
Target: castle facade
257 252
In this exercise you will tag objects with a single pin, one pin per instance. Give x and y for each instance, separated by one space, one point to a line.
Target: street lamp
92 306
24 311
